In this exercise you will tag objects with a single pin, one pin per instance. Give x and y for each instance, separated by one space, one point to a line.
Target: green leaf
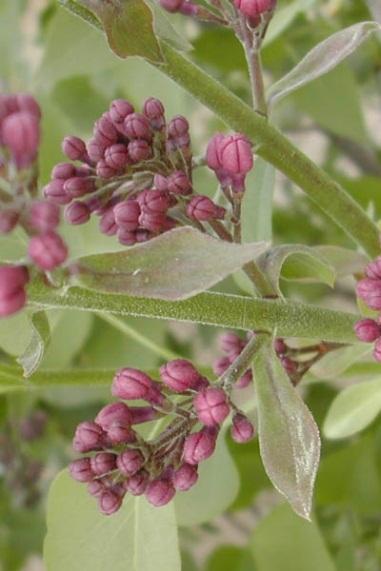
296 262
165 31
284 542
175 265
284 17
129 28
337 362
257 203
353 410
228 558
32 357
212 495
323 58
288 436
137 538
345 262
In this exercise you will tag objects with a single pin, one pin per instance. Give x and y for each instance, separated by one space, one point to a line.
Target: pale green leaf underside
34 352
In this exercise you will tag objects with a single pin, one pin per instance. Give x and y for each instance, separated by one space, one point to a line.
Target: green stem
290 319
276 149
241 364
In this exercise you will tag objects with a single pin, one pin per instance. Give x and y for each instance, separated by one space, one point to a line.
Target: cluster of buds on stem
118 460
19 204
369 290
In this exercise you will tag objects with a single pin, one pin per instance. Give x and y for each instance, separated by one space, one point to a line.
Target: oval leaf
323 58
353 410
175 265
288 436
296 262
137 538
31 359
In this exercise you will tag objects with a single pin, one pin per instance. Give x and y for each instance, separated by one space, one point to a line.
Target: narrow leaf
257 203
31 359
323 58
164 29
288 436
337 362
137 538
345 262
296 262
353 410
176 265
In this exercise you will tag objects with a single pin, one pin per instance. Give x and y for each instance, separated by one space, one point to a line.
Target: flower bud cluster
369 290
135 173
19 141
117 460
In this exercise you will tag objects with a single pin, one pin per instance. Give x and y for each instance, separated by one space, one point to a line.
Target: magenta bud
242 429
212 406
102 463
230 343
127 214
44 216
160 492
117 157
55 192
171 5
8 220
179 183
26 102
220 365
132 384
236 154
154 110
137 484
96 148
47 250
107 224
118 434
199 446
114 413
154 202
126 237
96 488
245 380
373 270
202 208
74 148
13 279
110 502
178 127
289 365
81 471
20 132
78 186
88 436
152 222
367 330
280 346
139 150
105 130
137 126
119 109
141 414
254 8
64 171
129 462
179 375
143 235
160 182
105 171
213 152
369 290
77 213
185 477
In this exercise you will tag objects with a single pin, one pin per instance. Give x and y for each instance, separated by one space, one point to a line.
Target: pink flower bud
107 224
102 463
96 148
236 155
289 365
126 237
143 235
230 342
141 414
80 470
185 477
179 183
78 186
118 434
160 492
137 126
20 132
110 502
139 150
8 220
370 291
199 446
47 250
373 270
178 127
127 214
213 152
64 171
105 171
171 5
367 330
254 8
105 129
245 380
132 384
211 406
74 148
202 208
96 488
77 213
377 350
114 413
119 109
154 110
137 484
179 375
154 202
12 294
88 437
153 222
242 430
44 216
55 192
220 365
129 462
280 346
26 102
117 156
160 182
